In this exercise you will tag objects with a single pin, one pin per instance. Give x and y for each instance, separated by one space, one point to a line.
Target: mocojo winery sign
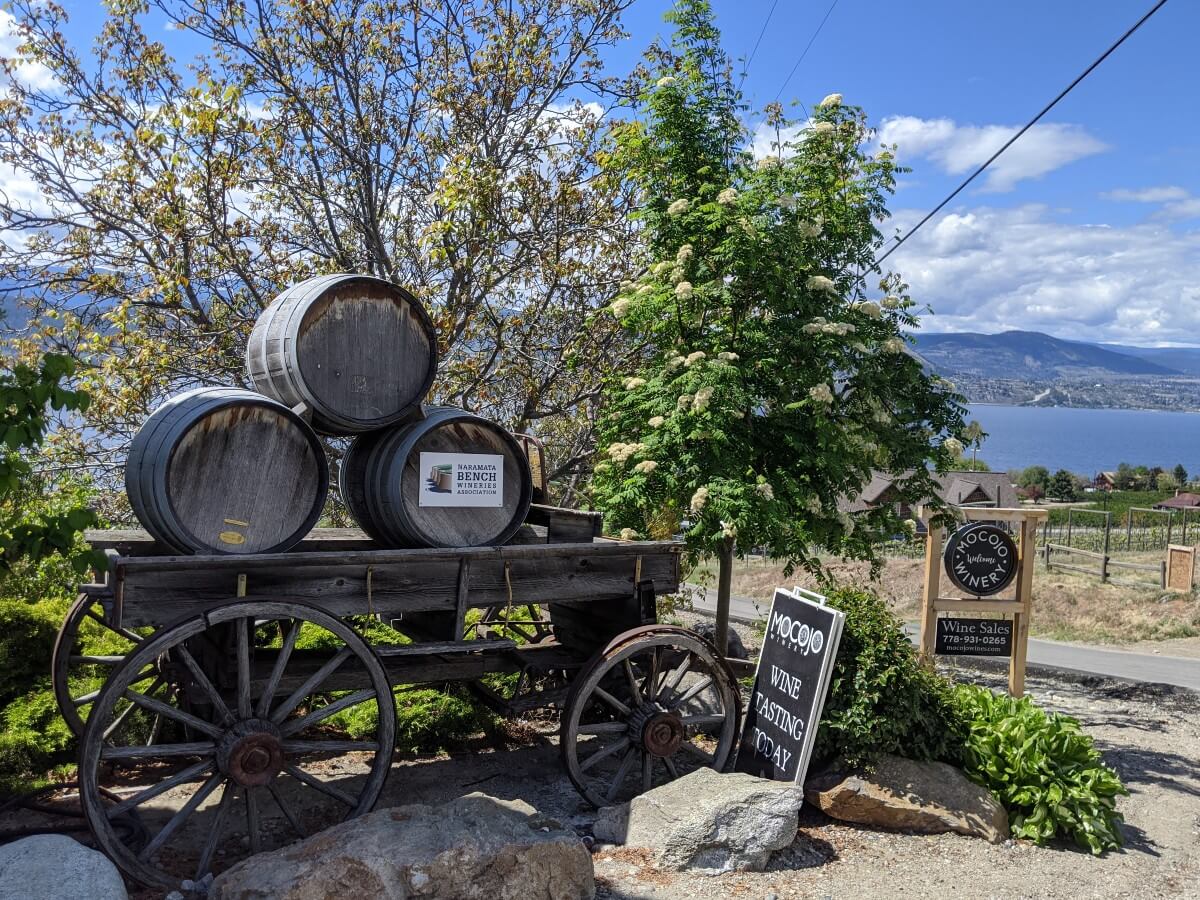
981 558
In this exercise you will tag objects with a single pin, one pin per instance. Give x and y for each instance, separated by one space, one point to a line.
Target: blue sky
1088 228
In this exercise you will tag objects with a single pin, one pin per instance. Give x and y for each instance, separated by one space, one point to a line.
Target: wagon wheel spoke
622 774
635 690
318 715
277 795
281 661
671 768
252 820
205 683
310 685
702 721
160 751
675 677
174 713
199 796
181 777
243 627
612 701
650 682
702 685
317 784
604 728
647 771
215 829
130 636
124 716
603 753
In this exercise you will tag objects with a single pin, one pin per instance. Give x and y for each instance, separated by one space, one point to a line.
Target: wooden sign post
981 557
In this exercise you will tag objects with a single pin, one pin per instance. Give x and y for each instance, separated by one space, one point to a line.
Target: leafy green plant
1045 770
881 699
27 633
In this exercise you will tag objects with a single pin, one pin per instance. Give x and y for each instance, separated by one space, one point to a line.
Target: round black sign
981 559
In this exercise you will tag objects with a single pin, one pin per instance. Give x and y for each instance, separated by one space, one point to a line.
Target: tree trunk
724 580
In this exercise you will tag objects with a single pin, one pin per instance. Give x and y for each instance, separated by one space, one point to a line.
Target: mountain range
1033 356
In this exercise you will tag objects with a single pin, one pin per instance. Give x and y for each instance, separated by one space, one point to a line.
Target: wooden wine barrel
223 470
358 351
451 479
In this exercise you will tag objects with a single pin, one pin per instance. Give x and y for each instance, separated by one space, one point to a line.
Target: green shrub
27 633
1044 769
427 719
881 699
35 737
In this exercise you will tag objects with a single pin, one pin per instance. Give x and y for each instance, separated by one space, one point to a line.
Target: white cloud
768 141
991 269
35 75
958 149
1175 203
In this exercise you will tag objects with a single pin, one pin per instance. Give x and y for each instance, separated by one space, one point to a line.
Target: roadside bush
35 738
27 633
427 719
881 699
1046 772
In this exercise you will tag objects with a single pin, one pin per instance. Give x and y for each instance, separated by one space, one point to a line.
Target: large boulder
55 867
708 822
926 797
474 848
734 646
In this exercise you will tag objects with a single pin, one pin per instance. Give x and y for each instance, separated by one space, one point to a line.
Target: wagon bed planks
156 589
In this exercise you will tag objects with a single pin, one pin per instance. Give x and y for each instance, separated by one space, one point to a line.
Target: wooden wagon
247 675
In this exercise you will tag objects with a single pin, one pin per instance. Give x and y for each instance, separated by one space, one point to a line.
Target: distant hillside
1030 355
1181 359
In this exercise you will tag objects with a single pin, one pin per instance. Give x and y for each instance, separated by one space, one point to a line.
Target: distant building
1105 481
958 488
1181 500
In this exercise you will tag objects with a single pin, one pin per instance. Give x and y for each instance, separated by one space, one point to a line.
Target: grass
1067 606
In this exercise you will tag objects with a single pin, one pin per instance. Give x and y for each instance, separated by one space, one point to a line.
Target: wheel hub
659 730
251 752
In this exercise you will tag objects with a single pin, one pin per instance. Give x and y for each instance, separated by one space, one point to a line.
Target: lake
1086 441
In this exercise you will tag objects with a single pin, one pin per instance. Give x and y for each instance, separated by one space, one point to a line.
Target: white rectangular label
462 479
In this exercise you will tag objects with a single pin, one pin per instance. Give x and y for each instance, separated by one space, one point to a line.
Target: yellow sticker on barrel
237 522
231 537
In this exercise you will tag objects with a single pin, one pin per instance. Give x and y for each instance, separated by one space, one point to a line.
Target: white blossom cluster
765 490
821 393
679 207
632 384
656 421
820 283
727 197
701 400
620 451
683 290
694 357
699 500
645 467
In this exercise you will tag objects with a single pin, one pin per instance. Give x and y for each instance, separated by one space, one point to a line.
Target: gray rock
55 867
713 823
474 848
926 797
611 824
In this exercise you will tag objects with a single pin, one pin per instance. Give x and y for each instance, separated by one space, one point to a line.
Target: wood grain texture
383 478
155 590
359 351
221 470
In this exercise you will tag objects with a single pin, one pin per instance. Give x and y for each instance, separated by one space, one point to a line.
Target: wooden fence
1103 563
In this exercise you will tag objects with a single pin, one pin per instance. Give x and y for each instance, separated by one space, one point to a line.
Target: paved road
1069 657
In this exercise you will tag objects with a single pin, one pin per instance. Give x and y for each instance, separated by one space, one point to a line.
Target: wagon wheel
655 704
256 734
77 677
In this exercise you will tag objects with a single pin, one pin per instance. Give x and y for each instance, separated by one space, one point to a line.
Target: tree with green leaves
34 523
770 383
1181 474
1032 476
452 149
1061 485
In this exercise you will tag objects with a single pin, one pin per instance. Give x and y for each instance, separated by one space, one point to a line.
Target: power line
750 58
804 52
1045 109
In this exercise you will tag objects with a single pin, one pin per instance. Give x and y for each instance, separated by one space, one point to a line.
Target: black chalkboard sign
973 637
799 648
981 558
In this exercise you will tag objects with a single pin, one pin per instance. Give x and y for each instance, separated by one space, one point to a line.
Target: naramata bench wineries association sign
794 667
981 558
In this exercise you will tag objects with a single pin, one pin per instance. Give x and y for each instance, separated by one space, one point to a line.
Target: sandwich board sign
794 669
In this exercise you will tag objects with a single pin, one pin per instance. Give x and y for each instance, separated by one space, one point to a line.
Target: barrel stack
225 470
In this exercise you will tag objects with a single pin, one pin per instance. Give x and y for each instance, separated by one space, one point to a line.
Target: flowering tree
771 384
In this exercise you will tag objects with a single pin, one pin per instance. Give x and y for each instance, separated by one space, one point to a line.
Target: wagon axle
251 752
657 730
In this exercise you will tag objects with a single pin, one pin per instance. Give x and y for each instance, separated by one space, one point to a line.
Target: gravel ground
1150 734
